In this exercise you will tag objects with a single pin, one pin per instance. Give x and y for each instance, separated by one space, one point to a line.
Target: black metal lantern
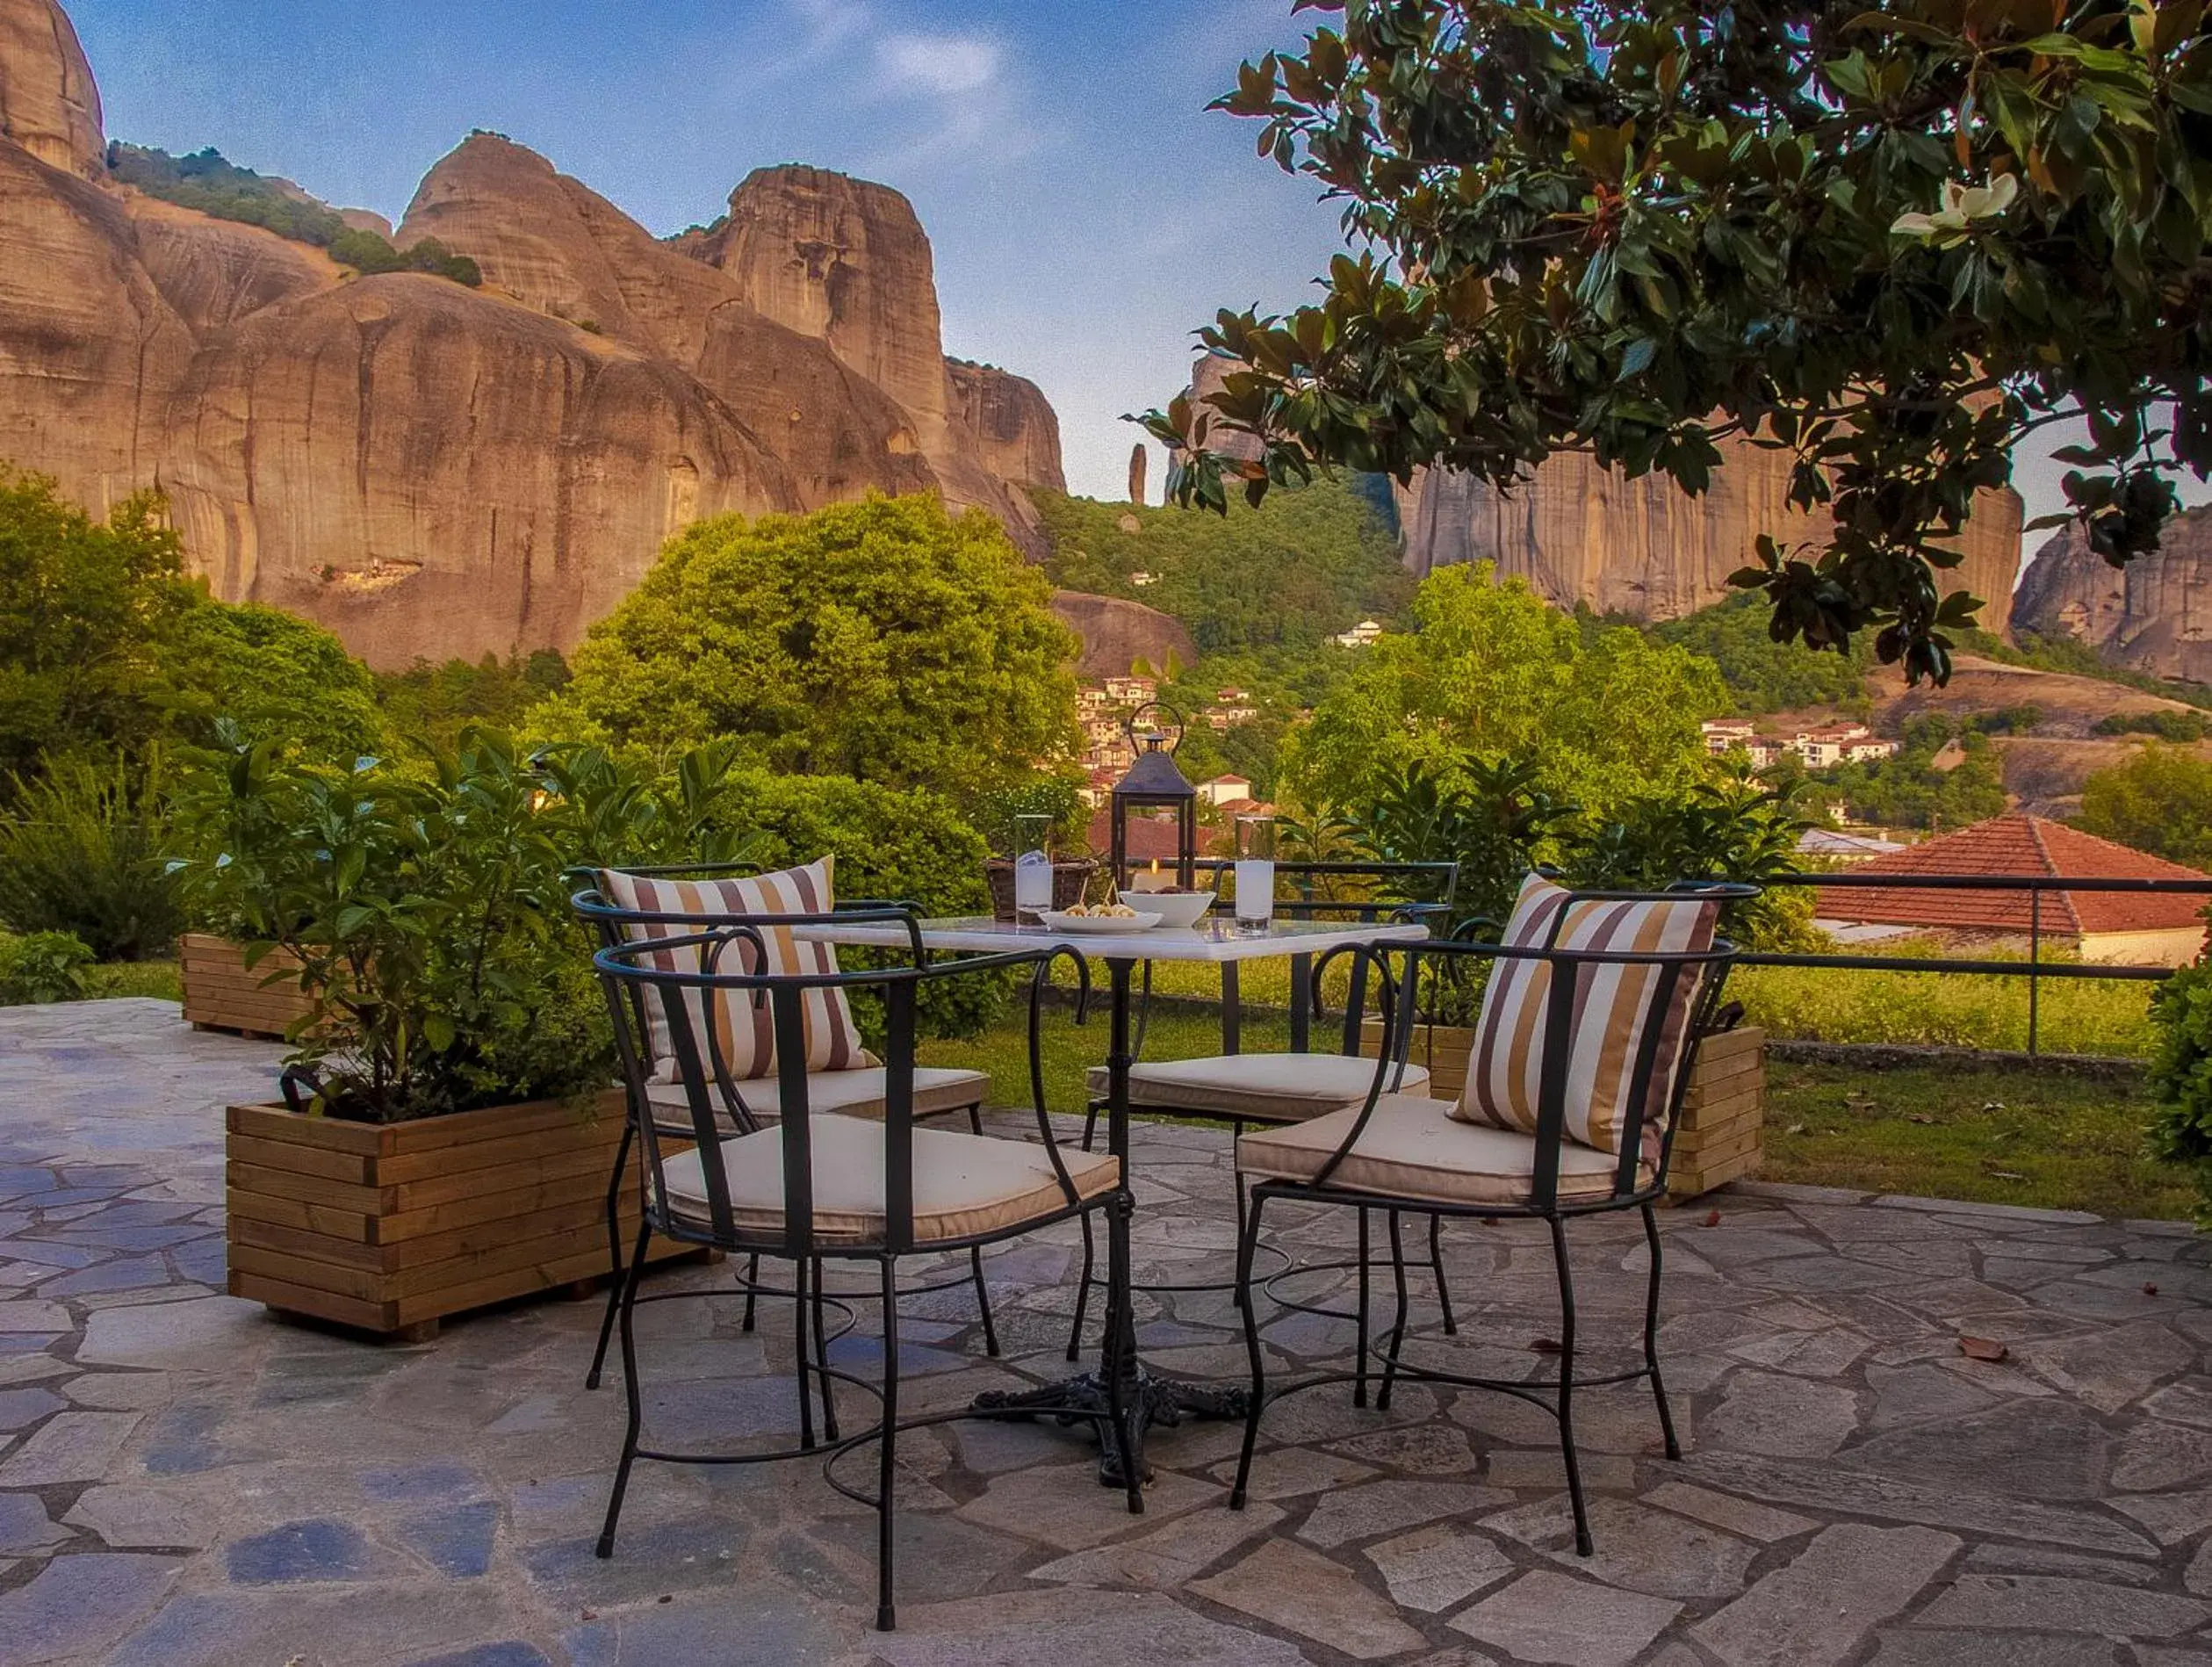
1154 783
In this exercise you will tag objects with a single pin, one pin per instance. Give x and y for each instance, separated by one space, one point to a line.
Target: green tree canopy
105 645
1909 788
85 609
1762 674
1491 671
885 640
2159 801
1891 237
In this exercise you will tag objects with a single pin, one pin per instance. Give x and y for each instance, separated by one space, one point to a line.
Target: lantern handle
1129 725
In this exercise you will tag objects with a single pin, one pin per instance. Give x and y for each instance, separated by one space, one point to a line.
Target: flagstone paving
184 1480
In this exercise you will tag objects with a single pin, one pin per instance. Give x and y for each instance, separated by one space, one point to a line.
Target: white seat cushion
851 1094
964 1184
1263 1087
1411 1149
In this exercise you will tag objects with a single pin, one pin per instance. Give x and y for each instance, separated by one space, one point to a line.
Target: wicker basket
1069 882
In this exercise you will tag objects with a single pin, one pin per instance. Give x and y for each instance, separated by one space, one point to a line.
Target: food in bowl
1177 908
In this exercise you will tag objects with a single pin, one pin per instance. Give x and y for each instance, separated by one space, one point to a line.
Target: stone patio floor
184 1480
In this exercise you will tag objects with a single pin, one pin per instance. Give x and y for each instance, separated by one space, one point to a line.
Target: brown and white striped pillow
1615 1005
744 1030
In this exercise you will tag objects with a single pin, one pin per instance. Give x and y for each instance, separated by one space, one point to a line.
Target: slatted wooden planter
1723 1108
1724 1115
391 1228
222 994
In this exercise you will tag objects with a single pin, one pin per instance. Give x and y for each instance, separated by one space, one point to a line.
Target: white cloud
938 66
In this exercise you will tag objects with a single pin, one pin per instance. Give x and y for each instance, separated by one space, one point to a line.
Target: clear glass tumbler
1255 872
1033 866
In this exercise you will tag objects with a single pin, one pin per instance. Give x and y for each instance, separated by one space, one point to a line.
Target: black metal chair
1404 1156
1247 1090
824 1187
755 1104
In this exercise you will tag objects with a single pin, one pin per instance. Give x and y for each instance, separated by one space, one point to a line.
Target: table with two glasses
1155 1400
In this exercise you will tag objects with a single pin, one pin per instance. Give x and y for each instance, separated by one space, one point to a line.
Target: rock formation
1644 548
1117 633
432 470
2154 615
1579 533
48 102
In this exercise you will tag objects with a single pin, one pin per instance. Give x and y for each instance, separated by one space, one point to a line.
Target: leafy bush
369 253
82 852
107 649
42 966
1493 672
437 702
1056 796
429 913
883 640
2181 1076
2165 724
2159 801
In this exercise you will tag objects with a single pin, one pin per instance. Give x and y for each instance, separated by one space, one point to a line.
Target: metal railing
2035 969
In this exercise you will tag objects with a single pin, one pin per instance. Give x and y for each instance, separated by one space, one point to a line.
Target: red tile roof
1149 837
2024 845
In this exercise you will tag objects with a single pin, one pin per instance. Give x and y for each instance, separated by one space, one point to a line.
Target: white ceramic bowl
1179 909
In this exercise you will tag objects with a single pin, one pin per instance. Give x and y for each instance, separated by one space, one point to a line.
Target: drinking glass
1255 871
1033 866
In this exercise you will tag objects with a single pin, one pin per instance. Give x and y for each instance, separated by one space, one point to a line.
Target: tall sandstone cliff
432 470
2154 615
1645 548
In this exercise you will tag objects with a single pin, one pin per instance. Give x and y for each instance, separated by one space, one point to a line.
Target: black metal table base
1154 1401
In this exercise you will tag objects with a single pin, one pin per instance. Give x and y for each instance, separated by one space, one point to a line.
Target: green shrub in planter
429 909
42 966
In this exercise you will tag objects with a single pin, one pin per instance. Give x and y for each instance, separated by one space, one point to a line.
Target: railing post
2034 959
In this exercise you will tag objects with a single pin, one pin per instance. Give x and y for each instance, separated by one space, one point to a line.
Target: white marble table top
1211 941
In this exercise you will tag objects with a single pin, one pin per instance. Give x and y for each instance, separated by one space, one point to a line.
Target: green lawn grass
157 979
2012 1137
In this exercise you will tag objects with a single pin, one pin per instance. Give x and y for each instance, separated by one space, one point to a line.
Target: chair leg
1242 1294
1398 1324
1083 1288
823 1381
800 1342
1436 1266
1360 1363
1566 1388
1248 1242
606 1547
752 1284
975 1118
887 1453
1651 1336
614 1257
1090 1131
982 1299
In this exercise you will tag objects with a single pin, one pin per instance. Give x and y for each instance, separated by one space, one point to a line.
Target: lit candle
1152 879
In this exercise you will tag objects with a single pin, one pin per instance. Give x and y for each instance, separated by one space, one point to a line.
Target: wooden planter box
1723 1109
222 994
391 1227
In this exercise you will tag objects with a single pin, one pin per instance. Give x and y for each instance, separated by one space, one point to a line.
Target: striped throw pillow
744 1030
1615 1005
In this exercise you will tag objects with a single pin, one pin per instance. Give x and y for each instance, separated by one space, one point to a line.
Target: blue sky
1086 212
